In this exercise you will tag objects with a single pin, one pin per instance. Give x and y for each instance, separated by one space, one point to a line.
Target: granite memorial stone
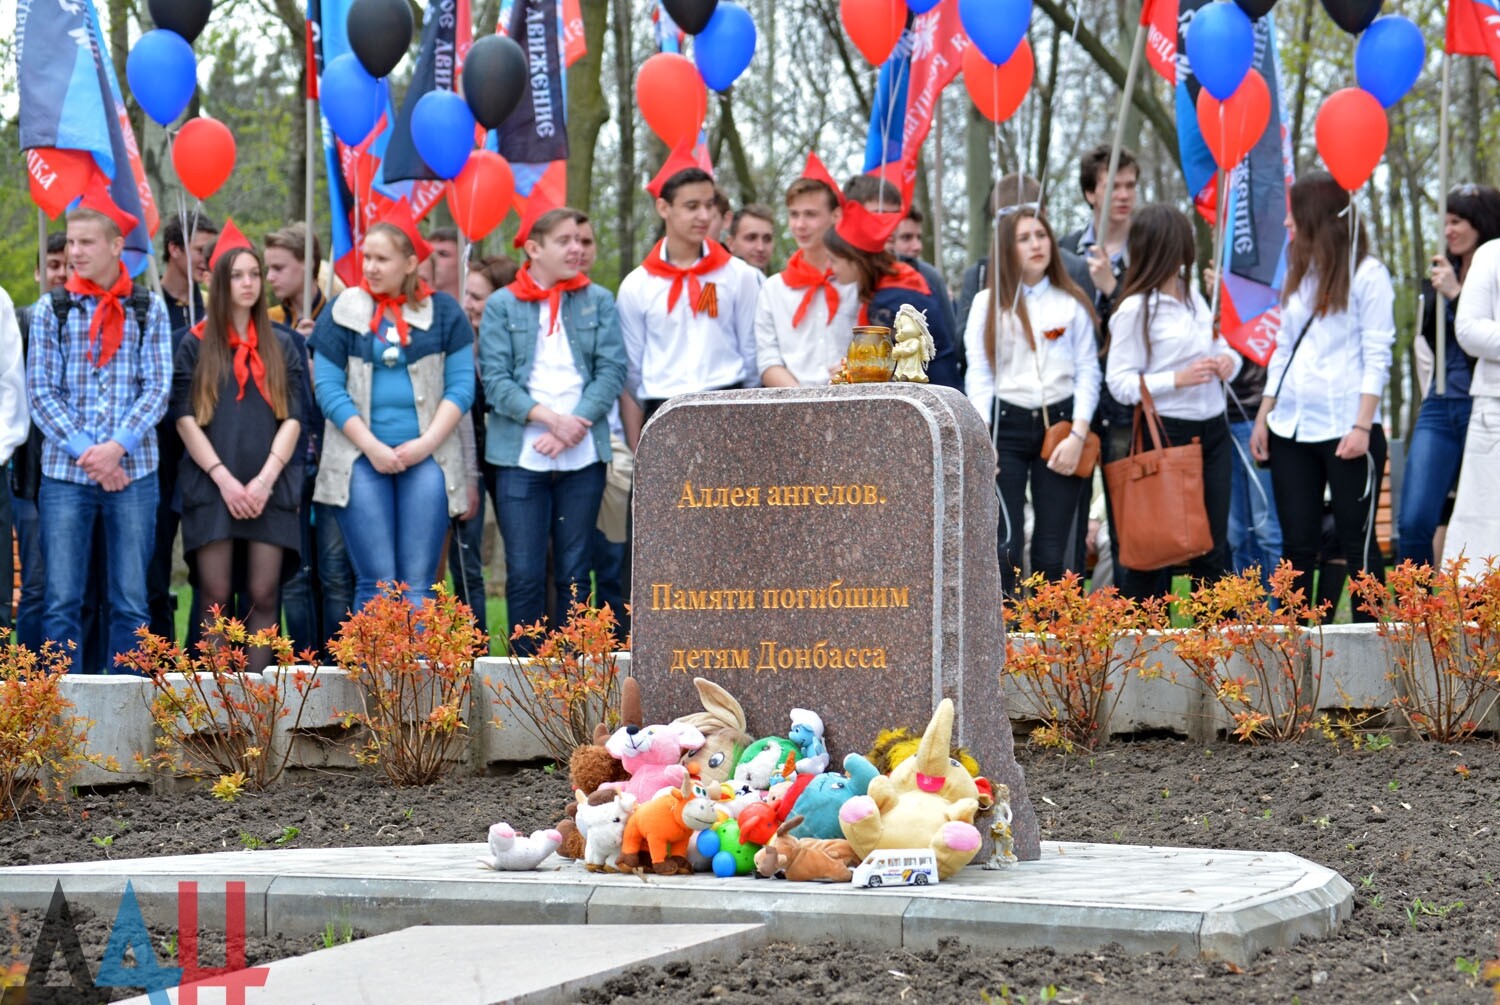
829 548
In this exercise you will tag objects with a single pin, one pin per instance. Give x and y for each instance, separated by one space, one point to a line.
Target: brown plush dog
591 766
805 860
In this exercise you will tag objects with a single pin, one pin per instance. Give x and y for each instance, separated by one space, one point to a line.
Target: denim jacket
507 349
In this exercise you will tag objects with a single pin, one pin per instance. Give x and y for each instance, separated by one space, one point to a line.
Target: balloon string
187 250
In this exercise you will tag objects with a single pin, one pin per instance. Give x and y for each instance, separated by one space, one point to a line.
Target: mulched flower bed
1411 826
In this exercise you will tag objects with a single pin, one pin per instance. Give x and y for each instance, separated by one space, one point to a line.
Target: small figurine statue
914 348
1004 854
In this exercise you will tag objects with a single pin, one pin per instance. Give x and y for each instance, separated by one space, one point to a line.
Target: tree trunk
1044 98
729 135
1478 170
625 168
587 110
979 172
1299 103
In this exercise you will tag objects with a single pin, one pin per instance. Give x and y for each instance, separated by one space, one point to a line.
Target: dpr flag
447 33
1474 29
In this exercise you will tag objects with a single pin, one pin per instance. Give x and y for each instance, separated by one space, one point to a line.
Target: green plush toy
763 764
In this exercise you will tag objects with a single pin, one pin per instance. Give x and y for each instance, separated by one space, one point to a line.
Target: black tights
260 585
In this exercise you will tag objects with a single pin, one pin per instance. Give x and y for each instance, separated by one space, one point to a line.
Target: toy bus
897 867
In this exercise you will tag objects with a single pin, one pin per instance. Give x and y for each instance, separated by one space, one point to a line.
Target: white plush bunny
604 826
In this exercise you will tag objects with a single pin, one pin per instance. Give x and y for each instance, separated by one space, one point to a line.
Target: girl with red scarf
393 368
237 389
856 249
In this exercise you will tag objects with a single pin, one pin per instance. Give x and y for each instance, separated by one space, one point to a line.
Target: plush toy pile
701 794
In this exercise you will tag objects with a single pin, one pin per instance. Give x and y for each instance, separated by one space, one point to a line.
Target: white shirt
808 349
556 383
1180 334
1344 355
1056 369
1478 324
15 416
679 352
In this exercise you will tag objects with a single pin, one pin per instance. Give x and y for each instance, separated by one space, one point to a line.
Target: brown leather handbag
1087 458
1157 497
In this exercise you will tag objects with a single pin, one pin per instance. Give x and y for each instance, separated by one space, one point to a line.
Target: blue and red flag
71 109
354 173
1255 237
535 137
1474 29
926 59
447 33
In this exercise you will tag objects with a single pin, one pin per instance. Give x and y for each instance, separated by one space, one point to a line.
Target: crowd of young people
307 448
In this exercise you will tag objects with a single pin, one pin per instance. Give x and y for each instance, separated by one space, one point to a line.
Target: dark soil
1416 836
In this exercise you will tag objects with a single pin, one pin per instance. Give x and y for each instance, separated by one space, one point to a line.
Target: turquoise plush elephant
819 803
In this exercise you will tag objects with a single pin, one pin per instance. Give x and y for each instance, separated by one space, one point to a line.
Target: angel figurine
914 348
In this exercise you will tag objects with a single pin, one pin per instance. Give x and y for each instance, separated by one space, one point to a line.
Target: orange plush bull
664 826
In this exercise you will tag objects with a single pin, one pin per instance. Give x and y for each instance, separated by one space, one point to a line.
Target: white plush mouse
509 852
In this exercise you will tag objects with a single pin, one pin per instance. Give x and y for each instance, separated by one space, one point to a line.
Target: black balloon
1256 8
691 15
1354 16
186 17
379 33
494 79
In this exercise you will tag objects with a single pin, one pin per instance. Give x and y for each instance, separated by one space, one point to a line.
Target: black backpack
140 306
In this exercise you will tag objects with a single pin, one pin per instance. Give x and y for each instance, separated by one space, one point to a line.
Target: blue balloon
353 101
723 49
708 844
1221 47
442 128
996 26
163 74
724 863
1389 58
921 6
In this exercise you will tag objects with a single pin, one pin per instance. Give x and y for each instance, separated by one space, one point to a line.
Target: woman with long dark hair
237 391
1319 421
1033 363
1163 331
1436 449
394 374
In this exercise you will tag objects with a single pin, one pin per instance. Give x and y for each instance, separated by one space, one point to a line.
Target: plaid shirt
76 404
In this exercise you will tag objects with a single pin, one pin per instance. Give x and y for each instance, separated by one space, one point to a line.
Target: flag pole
1440 344
309 266
1101 211
1221 200
41 250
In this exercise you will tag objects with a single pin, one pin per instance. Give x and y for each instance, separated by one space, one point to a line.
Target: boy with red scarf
552 364
803 317
98 386
687 314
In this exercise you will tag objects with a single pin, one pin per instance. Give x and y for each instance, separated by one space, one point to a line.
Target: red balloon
1352 131
997 91
874 26
482 194
672 97
203 154
1232 127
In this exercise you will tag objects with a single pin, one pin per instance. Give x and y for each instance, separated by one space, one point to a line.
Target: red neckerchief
527 289
798 275
107 329
247 361
699 296
392 305
902 277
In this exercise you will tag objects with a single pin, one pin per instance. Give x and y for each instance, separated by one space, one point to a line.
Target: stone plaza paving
1222 904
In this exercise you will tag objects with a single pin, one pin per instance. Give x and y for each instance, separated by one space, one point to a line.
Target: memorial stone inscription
832 548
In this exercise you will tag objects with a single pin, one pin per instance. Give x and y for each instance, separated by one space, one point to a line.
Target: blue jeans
609 584
1254 527
33 573
1432 462
394 528
466 564
69 515
335 573
541 507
